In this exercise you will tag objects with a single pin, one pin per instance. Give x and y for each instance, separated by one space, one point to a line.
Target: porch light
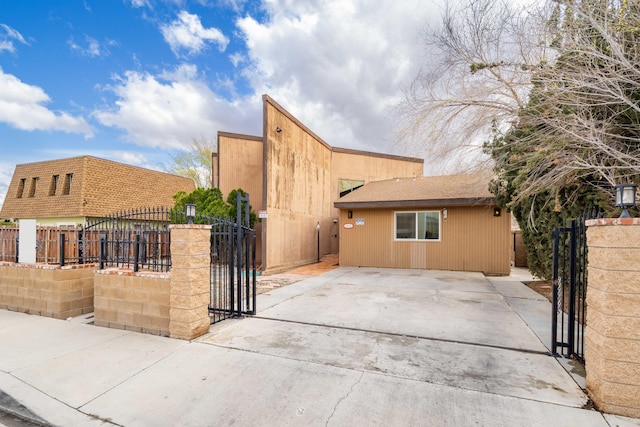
625 198
190 212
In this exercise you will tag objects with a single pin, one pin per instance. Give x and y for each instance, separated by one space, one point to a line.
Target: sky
136 81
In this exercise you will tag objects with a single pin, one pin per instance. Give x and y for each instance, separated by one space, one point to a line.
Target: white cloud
8 36
21 106
340 65
236 58
6 172
91 47
140 3
187 33
172 108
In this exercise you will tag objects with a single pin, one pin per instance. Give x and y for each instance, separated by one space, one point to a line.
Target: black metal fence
133 239
570 286
136 239
233 266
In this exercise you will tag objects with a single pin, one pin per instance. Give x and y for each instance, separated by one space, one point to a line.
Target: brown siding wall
367 168
241 165
298 179
472 239
301 178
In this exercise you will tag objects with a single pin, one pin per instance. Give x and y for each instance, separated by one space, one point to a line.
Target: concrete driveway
352 347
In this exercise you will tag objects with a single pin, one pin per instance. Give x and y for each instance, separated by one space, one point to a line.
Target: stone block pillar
612 336
190 275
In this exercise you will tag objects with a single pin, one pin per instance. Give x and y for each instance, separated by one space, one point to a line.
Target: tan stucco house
67 191
438 222
293 176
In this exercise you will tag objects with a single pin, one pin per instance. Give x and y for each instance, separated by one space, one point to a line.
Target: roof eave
430 203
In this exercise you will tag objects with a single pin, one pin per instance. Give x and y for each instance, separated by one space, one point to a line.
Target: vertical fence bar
555 287
62 239
571 327
101 250
253 268
238 226
136 253
231 237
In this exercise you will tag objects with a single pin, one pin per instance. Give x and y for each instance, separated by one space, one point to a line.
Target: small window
53 187
23 181
346 186
34 185
67 184
417 225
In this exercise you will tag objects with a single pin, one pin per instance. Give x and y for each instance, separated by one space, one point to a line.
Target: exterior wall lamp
625 198
190 212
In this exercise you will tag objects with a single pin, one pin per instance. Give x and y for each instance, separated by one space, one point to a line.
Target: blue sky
136 80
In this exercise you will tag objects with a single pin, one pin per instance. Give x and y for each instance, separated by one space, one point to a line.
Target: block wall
190 281
133 301
612 335
47 290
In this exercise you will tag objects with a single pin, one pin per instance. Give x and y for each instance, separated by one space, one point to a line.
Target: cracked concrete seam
343 398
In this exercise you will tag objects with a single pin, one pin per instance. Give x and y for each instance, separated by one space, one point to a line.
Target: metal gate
233 266
570 287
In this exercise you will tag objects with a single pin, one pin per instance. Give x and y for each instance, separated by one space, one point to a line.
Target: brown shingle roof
447 190
98 187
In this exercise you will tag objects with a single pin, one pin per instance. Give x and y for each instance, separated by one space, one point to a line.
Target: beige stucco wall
61 221
472 239
612 335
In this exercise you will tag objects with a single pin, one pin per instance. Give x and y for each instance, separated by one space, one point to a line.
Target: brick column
189 296
612 336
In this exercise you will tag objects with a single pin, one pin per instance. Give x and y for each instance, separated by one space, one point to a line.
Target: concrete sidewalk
353 346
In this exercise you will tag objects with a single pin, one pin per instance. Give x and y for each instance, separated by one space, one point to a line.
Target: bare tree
482 56
583 122
195 163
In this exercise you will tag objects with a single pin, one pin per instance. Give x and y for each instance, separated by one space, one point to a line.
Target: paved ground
353 346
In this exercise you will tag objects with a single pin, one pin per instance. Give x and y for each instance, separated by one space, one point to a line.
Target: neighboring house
439 222
68 191
293 177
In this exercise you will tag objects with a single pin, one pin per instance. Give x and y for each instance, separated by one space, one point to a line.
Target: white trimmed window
423 225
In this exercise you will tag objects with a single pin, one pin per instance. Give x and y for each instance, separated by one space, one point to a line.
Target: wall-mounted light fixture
444 213
278 129
497 211
349 214
190 212
625 198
